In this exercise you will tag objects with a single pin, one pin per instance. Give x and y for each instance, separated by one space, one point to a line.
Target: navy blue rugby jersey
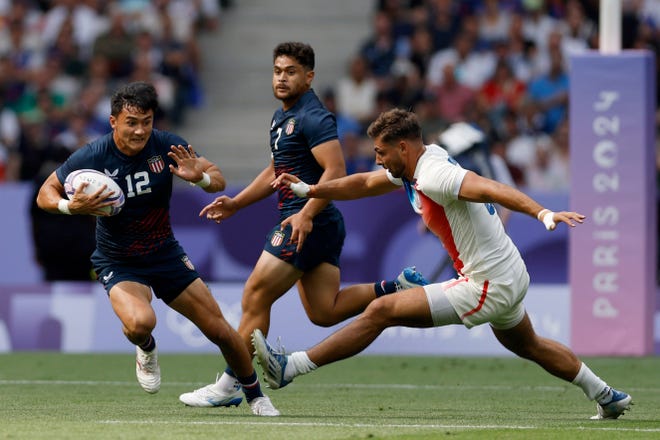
143 225
293 134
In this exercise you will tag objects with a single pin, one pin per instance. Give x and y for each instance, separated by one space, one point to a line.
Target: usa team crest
290 126
277 239
187 262
156 164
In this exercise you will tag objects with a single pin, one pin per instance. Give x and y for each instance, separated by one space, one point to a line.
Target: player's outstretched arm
354 186
196 169
476 188
224 207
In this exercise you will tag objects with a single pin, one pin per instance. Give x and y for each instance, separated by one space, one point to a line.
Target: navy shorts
322 245
168 272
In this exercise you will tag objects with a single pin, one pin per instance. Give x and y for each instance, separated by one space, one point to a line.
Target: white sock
593 386
226 384
298 364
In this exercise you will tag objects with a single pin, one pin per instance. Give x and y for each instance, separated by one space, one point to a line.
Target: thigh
409 309
270 279
197 304
131 302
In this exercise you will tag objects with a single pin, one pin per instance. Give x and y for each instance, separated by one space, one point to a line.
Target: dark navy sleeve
319 126
81 158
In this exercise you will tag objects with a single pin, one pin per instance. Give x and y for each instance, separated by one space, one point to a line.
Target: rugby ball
95 180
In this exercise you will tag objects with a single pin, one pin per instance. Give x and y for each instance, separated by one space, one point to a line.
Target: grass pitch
85 396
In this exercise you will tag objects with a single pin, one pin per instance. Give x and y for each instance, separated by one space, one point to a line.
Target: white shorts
498 302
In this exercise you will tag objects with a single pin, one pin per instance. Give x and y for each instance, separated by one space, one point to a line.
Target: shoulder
165 138
314 111
436 164
98 146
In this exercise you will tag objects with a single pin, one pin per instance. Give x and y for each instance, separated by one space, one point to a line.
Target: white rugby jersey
472 233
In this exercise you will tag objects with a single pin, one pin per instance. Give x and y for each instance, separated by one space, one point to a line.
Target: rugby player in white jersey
456 205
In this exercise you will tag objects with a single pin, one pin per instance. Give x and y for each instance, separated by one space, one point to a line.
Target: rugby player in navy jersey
303 249
136 251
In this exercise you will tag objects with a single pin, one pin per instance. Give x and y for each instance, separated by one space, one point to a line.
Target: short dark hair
140 95
301 52
394 125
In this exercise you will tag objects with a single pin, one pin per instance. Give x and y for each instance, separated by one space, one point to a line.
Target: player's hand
301 227
90 204
188 166
299 188
550 219
220 209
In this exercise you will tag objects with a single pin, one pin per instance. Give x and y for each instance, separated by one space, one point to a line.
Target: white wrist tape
301 189
206 181
548 219
63 206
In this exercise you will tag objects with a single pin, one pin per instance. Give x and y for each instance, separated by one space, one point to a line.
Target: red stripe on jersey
435 219
482 300
454 282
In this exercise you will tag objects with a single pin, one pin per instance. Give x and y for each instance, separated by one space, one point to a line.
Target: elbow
222 184
41 199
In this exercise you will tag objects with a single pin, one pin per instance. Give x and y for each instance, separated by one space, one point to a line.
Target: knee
138 328
378 312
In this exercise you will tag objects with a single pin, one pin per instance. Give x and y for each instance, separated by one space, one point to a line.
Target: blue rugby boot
273 362
409 278
619 404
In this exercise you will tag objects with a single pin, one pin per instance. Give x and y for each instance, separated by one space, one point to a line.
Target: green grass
52 395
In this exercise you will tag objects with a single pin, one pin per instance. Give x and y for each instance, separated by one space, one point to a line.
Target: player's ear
309 77
113 122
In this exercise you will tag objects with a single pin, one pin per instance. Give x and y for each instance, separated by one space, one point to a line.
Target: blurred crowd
501 66
60 61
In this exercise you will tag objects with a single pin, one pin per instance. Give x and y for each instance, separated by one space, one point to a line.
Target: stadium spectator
494 21
116 45
471 67
578 32
537 23
523 139
77 52
421 49
406 89
550 171
87 18
520 51
345 124
502 92
356 92
379 49
443 23
549 93
453 100
357 153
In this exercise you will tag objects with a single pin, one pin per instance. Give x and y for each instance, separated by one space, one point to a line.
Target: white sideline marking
317 385
373 425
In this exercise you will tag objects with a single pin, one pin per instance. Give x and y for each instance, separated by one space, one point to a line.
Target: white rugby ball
95 180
